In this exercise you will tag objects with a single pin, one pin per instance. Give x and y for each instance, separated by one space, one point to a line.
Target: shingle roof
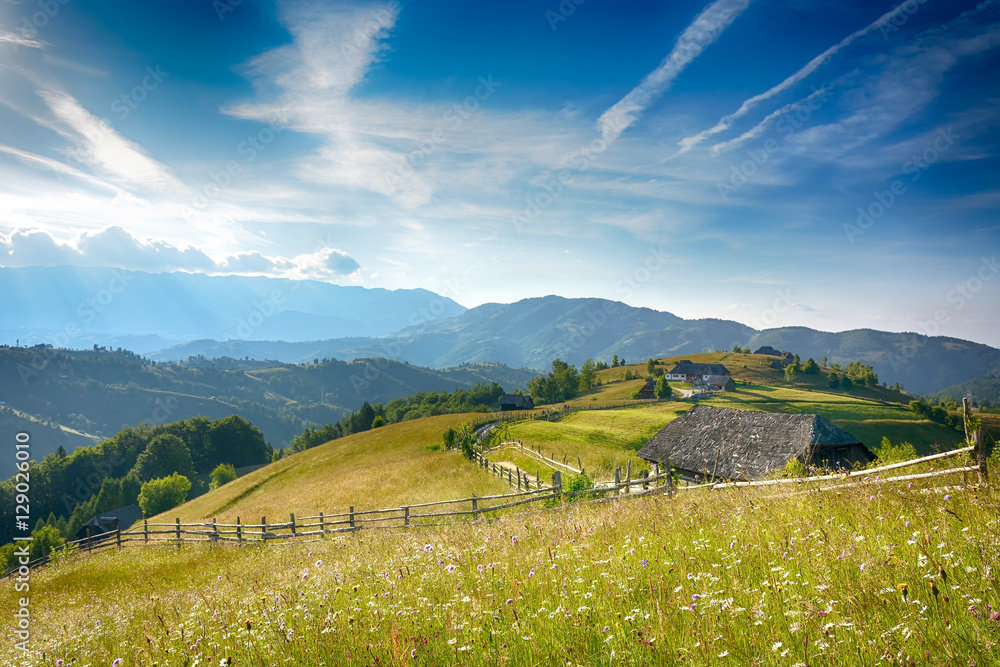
749 444
767 349
519 401
687 368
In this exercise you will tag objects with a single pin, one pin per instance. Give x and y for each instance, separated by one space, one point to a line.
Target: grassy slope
606 439
387 467
754 577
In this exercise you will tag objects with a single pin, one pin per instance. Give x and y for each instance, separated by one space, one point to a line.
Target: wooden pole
263 528
239 531
215 528
715 468
965 417
177 529
984 473
475 509
145 530
628 476
618 479
322 530
557 482
291 519
352 517
406 516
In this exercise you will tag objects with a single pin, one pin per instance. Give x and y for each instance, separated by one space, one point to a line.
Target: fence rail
322 525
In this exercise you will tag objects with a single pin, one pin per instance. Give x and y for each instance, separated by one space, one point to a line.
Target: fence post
518 479
474 508
118 536
628 476
291 518
538 482
406 516
145 530
557 482
263 528
352 516
239 532
984 474
322 530
645 484
618 479
215 528
177 529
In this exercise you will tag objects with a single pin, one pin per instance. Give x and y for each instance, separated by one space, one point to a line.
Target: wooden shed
722 443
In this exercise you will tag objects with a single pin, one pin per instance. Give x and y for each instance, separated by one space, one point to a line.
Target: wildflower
947 496
513 538
531 573
480 568
606 628
116 662
453 640
318 563
413 653
451 568
903 588
510 600
428 548
724 654
910 485
645 562
60 662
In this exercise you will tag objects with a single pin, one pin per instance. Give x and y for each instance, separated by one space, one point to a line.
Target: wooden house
722 443
510 402
768 350
648 390
105 522
685 371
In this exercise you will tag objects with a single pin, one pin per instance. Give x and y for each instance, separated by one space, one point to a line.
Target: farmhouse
516 402
720 383
768 350
105 522
721 443
648 390
685 371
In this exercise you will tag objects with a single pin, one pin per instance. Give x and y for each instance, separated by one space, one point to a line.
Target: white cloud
702 33
115 247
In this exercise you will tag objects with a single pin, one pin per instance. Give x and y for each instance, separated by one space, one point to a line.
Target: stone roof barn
740 444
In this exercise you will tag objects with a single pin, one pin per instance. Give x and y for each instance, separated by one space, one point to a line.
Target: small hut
105 522
722 443
516 402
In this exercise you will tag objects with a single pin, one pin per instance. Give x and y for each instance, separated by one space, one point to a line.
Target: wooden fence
425 514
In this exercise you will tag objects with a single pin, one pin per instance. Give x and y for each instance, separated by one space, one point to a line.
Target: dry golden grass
387 467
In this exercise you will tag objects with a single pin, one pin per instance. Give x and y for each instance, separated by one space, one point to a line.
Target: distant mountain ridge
77 307
532 332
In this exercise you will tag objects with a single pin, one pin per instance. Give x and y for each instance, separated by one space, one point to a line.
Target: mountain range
170 317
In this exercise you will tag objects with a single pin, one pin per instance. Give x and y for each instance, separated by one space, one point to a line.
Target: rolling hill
532 332
96 393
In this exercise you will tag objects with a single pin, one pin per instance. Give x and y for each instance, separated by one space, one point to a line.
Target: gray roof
749 444
687 368
767 349
105 521
718 379
520 401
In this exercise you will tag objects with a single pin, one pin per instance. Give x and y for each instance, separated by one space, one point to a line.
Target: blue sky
775 162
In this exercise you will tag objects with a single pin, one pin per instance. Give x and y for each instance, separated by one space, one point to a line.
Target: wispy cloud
7 37
748 105
702 33
99 146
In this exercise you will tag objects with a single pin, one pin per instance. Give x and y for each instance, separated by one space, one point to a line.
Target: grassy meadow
602 439
394 465
876 574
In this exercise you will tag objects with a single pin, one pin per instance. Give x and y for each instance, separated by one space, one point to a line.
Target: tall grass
876 574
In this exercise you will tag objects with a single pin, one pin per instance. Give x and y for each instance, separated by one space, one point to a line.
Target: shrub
44 541
889 453
223 474
378 422
162 494
795 468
